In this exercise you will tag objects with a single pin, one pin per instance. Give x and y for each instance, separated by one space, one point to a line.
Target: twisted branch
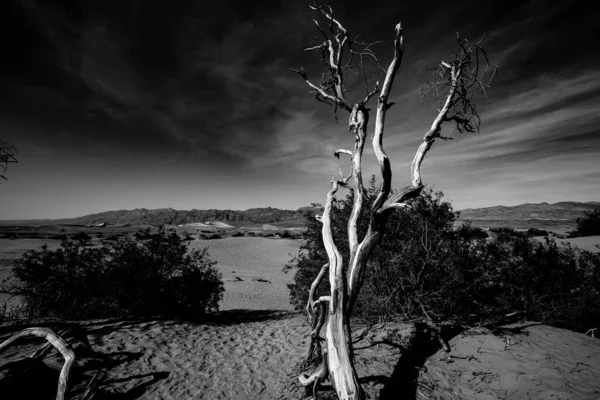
61 345
8 154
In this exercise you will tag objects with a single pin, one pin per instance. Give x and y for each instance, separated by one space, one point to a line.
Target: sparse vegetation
148 275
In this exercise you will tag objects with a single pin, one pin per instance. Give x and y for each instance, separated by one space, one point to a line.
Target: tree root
315 378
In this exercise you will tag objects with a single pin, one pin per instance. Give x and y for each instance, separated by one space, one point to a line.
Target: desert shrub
469 232
506 232
148 275
237 234
424 270
413 272
59 237
286 235
531 232
83 238
215 236
589 224
555 284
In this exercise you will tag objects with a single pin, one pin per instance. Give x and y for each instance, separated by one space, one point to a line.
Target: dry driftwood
59 343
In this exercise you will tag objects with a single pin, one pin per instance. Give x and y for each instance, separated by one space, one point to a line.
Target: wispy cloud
158 98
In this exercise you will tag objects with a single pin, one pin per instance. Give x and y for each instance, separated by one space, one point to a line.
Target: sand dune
197 224
219 224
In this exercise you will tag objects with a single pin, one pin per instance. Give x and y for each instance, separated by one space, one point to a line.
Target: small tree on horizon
8 154
589 224
453 83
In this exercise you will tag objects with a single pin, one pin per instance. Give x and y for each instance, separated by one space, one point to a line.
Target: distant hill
169 216
563 211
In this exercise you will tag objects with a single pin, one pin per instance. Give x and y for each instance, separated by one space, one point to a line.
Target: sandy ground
237 355
252 271
249 350
589 243
523 361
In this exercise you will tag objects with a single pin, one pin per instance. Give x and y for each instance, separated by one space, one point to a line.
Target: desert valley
278 200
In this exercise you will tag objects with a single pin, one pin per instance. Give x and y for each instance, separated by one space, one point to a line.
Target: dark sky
191 104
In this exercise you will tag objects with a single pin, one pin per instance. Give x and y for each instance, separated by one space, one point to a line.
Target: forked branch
341 55
455 85
8 154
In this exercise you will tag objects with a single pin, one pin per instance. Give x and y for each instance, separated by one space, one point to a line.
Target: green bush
531 232
148 275
589 224
83 238
287 235
424 270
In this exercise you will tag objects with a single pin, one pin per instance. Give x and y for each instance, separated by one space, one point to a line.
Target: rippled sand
252 269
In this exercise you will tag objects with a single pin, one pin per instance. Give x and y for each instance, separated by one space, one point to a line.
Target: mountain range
562 211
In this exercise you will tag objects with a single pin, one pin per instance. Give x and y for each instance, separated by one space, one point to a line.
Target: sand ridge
521 361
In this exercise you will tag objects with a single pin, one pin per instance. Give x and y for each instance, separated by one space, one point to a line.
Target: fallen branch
61 345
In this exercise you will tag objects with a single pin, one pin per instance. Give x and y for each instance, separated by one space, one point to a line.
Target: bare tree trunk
453 82
342 373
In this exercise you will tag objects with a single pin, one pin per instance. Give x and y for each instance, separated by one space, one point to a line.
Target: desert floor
249 350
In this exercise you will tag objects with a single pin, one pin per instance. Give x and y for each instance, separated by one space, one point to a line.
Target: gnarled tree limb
8 154
61 345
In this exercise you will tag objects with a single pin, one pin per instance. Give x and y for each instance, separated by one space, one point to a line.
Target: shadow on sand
26 377
403 382
241 316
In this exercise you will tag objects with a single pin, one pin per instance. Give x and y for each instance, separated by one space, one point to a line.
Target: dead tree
454 82
8 154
